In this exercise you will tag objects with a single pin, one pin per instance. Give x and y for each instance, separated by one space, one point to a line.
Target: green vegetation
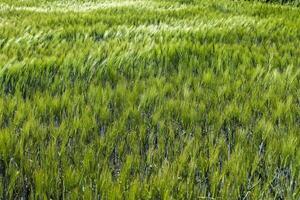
292 2
149 99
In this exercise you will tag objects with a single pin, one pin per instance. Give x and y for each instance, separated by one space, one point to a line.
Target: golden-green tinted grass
149 99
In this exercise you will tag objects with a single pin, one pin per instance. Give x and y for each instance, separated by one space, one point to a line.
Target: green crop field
149 99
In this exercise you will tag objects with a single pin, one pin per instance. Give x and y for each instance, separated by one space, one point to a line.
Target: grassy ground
149 99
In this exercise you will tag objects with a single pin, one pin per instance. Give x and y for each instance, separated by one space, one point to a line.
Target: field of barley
149 99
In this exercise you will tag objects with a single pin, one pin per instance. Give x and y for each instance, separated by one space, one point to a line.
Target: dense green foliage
149 100
293 2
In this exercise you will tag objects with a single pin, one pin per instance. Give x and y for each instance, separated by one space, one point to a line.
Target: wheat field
149 99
